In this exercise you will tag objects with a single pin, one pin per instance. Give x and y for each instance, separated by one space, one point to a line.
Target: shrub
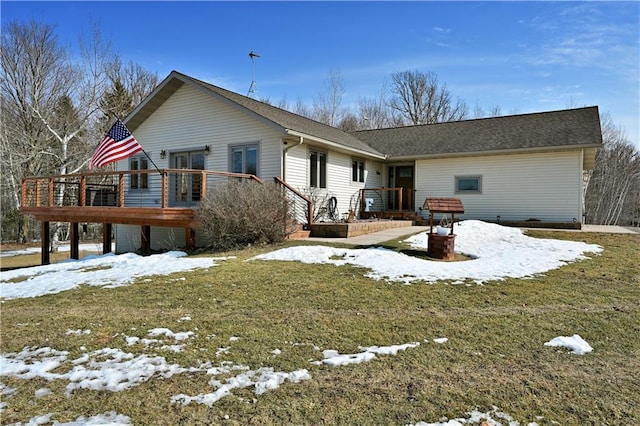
242 213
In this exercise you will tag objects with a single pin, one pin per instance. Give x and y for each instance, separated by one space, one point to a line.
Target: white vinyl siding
296 164
187 121
191 119
339 183
543 186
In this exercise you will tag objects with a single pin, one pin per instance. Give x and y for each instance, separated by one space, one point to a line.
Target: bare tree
51 102
494 111
302 109
349 122
420 99
612 194
327 106
35 76
376 113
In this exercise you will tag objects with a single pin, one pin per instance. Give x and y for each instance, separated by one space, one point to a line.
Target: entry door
186 186
402 177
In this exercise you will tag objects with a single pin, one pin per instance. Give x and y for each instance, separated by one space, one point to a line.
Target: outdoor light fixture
207 149
498 217
163 154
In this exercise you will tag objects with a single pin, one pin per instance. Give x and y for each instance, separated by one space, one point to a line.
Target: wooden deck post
83 191
50 189
121 190
38 193
165 190
203 185
190 234
23 193
74 236
145 239
106 238
45 259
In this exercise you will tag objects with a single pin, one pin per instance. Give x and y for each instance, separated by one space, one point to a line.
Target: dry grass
494 357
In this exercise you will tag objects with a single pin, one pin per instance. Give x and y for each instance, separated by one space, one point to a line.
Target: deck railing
130 188
378 200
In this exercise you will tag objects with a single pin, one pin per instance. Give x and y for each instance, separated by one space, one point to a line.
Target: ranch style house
516 168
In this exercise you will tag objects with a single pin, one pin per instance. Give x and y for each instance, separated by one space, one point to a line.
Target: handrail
398 201
307 200
146 171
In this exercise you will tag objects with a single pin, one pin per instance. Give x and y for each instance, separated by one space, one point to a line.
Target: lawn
255 315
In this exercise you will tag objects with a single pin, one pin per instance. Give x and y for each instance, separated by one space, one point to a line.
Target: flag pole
145 152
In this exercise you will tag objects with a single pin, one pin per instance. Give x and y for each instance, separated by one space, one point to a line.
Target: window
357 170
139 180
318 170
468 184
244 159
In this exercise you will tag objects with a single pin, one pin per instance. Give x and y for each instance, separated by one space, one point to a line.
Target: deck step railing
300 205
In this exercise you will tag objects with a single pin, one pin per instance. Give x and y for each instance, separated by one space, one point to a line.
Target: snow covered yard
331 337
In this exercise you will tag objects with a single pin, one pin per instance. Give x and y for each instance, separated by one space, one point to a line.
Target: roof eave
493 152
336 145
147 106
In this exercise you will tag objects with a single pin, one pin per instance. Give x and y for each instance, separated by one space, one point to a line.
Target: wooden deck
151 216
165 198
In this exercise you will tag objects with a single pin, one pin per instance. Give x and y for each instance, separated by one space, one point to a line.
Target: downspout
284 156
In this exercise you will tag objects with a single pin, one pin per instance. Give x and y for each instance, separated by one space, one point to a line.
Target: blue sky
521 56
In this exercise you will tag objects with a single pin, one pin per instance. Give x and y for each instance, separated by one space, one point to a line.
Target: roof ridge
286 119
477 119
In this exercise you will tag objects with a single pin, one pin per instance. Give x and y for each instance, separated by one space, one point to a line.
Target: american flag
117 144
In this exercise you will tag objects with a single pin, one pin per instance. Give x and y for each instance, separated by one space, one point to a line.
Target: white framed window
139 180
317 169
357 170
244 159
468 184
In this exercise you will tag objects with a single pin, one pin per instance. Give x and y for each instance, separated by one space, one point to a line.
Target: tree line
57 106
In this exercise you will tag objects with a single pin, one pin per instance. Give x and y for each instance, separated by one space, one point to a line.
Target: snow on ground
107 270
576 344
497 252
110 418
333 358
114 370
495 417
97 247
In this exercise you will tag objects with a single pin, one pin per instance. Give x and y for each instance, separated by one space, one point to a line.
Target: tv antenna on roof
252 88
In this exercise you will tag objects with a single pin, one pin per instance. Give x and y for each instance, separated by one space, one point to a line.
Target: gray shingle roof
537 131
289 120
